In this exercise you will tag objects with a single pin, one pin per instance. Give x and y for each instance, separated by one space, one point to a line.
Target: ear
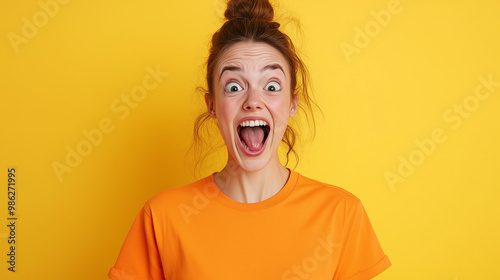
294 105
210 105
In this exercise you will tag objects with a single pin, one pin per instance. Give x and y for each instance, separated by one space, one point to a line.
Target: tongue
253 137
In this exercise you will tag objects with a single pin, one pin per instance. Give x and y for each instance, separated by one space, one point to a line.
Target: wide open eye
233 87
273 86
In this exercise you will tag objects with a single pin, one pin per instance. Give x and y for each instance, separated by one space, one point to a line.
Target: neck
251 186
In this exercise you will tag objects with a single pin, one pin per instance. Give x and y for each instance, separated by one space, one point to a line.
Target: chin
254 163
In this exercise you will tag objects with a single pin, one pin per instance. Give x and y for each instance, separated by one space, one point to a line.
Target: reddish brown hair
252 20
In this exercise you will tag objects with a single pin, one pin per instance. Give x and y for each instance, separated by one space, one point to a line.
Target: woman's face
252 102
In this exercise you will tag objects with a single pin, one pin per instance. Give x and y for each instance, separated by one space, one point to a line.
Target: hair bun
249 9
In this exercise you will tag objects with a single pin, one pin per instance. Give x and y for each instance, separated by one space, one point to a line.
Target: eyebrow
273 66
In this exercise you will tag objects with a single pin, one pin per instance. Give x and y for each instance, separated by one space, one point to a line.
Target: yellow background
442 222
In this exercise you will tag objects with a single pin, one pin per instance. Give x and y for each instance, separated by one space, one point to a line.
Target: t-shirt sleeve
139 258
362 256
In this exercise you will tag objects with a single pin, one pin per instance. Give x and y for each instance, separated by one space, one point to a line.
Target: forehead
251 54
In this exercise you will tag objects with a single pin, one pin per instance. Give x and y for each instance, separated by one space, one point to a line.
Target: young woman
255 219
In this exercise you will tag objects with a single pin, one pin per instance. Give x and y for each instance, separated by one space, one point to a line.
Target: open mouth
253 134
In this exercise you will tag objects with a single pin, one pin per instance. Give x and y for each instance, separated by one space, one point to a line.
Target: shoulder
330 200
173 197
306 185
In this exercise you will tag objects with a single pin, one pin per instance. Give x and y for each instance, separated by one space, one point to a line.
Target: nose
253 100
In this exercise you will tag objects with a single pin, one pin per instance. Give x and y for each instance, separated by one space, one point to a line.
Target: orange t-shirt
308 230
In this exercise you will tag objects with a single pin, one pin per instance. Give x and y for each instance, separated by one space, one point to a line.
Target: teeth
253 123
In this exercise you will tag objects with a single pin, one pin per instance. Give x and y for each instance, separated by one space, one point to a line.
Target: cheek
281 112
226 111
